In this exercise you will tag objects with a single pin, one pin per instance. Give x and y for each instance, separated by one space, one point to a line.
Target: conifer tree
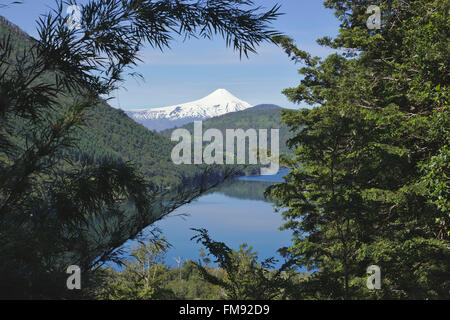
53 212
370 177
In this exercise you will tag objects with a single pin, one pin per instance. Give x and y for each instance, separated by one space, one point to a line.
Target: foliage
369 183
55 212
244 277
146 276
143 277
261 117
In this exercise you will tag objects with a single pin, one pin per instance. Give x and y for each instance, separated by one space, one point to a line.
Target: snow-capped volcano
216 104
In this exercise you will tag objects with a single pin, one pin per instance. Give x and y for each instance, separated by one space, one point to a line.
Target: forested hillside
110 133
69 196
258 117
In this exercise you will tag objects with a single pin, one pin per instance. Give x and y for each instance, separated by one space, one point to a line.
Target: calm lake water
234 213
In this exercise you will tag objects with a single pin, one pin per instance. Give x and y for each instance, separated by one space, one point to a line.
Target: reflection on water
242 189
250 188
234 213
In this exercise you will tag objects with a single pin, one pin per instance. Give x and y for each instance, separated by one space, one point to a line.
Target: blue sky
190 70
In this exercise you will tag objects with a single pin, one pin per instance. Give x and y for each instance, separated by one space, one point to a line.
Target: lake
234 213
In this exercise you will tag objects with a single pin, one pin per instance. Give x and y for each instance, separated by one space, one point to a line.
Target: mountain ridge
108 132
217 103
252 118
14 28
266 106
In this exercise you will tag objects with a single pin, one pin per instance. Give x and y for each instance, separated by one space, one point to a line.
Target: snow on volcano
218 103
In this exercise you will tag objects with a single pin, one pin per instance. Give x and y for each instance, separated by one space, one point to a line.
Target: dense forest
369 183
259 117
110 133
370 176
369 179
78 178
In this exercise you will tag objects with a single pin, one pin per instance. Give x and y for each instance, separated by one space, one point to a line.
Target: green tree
245 278
143 276
54 212
369 179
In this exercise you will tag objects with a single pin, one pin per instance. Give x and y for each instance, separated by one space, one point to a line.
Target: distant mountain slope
253 118
266 107
218 103
8 26
111 133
